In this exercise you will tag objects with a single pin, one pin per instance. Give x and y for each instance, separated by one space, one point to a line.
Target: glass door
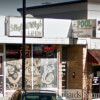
1 77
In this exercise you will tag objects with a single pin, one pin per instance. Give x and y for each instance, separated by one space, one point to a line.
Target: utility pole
23 45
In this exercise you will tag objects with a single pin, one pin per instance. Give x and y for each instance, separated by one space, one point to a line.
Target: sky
9 7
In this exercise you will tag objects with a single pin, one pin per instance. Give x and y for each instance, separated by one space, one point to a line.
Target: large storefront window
39 73
45 73
45 66
14 67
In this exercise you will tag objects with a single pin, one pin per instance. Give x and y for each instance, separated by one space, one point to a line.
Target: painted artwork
14 74
48 73
36 73
28 73
45 73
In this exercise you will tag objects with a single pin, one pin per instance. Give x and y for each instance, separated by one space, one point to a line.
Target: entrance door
1 77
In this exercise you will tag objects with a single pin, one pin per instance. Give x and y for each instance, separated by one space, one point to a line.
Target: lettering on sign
83 28
34 27
98 29
82 33
84 24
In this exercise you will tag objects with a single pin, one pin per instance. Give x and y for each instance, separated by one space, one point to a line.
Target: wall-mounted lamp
73 74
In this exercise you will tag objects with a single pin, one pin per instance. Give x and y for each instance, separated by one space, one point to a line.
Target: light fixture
73 74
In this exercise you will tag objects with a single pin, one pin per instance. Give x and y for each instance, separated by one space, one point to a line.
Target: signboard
34 27
82 33
83 28
96 81
15 51
48 69
98 28
44 51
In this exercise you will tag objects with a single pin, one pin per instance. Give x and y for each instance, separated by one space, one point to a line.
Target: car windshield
39 97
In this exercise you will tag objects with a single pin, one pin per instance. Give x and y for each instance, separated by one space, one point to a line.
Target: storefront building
55 62
60 54
45 54
83 50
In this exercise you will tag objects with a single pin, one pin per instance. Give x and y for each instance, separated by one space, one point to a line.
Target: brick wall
77 63
75 55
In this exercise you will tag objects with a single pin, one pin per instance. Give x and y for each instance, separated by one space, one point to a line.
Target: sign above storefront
34 27
44 51
83 28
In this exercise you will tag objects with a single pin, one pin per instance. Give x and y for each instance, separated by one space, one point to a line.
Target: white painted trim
32 64
57 69
4 65
18 40
10 90
1 75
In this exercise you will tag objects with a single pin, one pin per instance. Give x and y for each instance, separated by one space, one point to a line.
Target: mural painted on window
14 73
36 73
45 73
28 73
48 73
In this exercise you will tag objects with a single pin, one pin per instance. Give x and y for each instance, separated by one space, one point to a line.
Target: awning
93 56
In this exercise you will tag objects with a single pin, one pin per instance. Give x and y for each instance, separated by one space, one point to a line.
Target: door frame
2 55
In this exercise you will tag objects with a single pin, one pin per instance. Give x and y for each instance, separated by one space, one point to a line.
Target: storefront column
84 73
32 64
89 81
59 56
2 71
4 64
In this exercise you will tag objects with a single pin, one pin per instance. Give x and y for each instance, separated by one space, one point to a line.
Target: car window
39 97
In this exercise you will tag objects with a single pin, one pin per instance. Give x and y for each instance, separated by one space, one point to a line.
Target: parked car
35 95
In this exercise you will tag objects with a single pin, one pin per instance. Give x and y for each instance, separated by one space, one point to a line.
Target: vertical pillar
84 73
59 56
23 46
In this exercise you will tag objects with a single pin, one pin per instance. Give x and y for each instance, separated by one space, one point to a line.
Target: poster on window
48 73
14 74
45 73
36 73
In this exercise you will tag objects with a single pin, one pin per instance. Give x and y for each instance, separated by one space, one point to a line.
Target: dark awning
93 56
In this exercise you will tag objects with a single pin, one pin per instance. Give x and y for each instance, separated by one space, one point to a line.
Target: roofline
52 5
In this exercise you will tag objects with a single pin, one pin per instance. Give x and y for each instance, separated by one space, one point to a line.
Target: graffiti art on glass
28 73
13 74
48 73
45 73
36 73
